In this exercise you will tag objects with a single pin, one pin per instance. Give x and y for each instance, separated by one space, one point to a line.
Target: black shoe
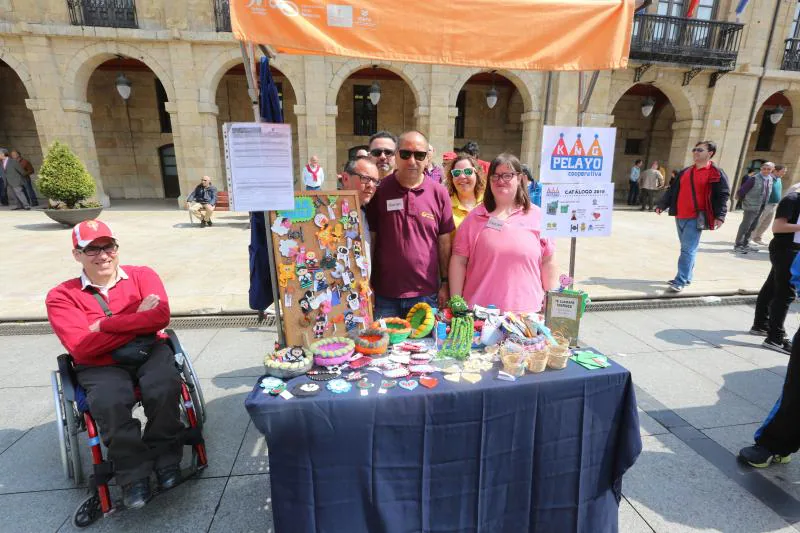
169 476
759 331
202 223
136 494
760 457
210 223
782 346
27 209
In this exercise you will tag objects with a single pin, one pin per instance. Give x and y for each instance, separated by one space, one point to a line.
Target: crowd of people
16 181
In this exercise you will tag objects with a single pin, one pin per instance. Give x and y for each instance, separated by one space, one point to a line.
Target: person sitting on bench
202 200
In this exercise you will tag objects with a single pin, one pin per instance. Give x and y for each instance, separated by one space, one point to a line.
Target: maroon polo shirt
407 251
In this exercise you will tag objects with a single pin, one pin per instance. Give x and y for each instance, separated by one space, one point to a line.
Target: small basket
557 357
332 351
421 319
537 361
372 341
397 328
277 367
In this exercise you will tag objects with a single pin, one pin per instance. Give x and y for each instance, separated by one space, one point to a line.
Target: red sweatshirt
71 310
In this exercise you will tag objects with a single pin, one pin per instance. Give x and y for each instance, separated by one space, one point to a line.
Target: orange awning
511 34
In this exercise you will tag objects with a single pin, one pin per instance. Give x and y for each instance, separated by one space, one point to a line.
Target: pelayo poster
577 155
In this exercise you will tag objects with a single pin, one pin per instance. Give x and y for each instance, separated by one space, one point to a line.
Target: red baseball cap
87 231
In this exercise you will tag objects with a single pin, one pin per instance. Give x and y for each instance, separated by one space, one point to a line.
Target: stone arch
405 71
18 66
794 100
684 105
519 83
231 57
84 63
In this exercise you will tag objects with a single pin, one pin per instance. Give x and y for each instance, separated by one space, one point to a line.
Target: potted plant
65 181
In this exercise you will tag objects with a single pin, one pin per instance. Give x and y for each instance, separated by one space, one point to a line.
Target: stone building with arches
59 66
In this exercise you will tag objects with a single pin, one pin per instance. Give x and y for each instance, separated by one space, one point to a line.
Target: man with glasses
410 218
382 148
202 200
362 175
754 194
698 199
94 316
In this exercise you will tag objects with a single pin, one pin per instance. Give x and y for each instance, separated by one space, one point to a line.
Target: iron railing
685 41
791 55
106 13
222 14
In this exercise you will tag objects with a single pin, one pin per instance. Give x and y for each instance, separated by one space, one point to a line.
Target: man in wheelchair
110 320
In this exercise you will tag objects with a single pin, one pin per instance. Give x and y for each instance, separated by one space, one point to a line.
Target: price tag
394 205
495 224
286 395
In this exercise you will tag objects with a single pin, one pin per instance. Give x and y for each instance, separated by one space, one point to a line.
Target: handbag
702 222
135 352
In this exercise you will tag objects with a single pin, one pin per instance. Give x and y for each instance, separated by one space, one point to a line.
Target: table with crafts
462 446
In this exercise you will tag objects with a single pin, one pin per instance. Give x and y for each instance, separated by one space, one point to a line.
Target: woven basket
397 328
286 373
372 341
421 319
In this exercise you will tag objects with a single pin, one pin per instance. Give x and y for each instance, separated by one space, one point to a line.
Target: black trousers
633 193
110 392
780 432
777 293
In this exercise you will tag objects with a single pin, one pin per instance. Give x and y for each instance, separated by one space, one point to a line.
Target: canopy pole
248 56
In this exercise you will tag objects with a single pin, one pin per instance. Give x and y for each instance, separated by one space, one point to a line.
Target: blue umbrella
260 284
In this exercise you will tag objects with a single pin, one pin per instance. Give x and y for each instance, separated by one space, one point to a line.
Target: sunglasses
699 150
93 251
406 154
377 152
505 177
458 172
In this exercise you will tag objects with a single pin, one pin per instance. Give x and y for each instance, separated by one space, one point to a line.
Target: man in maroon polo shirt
410 220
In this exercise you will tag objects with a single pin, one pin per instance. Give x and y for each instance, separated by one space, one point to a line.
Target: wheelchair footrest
193 436
103 473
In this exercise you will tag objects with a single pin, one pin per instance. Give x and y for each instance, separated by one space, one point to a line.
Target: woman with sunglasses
499 255
465 182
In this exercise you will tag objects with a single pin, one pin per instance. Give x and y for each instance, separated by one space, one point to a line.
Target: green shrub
63 178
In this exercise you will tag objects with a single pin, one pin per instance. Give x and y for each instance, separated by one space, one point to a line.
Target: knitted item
372 341
398 329
421 319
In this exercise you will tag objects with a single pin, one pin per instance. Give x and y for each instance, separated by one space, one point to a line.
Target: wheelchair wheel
72 418
193 383
67 424
58 401
88 511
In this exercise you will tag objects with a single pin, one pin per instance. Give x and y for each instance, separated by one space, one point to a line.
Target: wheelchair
73 417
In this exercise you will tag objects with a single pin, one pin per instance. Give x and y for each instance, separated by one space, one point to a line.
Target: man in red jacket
134 303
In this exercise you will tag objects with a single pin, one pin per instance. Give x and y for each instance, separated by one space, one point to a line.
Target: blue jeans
399 307
689 235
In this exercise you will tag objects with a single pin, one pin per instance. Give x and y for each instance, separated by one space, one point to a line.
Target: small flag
692 8
740 8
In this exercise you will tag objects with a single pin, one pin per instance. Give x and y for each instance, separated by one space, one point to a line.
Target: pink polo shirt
504 266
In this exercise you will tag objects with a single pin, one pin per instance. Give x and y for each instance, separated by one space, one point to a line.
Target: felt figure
297 234
564 281
320 283
321 220
336 295
328 262
285 273
350 321
288 247
318 202
348 278
338 231
287 299
353 216
317 301
364 289
299 254
325 307
281 226
353 301
331 205
345 208
294 355
338 271
319 326
342 255
304 278
352 234
326 238
363 263
305 306
311 259
357 248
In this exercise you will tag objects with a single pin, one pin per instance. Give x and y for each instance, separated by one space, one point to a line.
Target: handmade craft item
459 342
332 351
408 384
557 356
288 362
428 382
304 210
400 372
398 329
421 319
372 341
339 386
306 389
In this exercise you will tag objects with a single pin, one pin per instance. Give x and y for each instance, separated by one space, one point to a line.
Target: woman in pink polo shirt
499 256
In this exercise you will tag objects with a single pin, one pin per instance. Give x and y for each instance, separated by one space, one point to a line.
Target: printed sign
577 155
577 210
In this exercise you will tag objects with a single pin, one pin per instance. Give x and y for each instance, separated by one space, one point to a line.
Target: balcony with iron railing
685 41
791 55
106 13
222 14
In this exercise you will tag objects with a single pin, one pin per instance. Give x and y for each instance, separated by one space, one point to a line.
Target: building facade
60 61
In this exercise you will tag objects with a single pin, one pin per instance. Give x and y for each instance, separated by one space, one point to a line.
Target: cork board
322 266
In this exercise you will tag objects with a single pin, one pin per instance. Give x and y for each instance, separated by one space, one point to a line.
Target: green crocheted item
459 342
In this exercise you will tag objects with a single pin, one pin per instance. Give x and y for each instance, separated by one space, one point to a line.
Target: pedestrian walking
777 293
633 180
650 182
698 199
754 194
765 220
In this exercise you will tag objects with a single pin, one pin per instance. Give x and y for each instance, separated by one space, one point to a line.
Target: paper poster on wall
577 209
577 155
258 160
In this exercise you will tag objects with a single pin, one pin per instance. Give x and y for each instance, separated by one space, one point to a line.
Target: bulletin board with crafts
323 267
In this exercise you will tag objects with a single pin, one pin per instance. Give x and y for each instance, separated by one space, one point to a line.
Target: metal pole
249 64
573 242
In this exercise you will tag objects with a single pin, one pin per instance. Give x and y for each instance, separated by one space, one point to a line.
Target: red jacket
71 310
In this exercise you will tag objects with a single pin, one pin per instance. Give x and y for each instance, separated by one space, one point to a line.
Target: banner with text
577 210
577 155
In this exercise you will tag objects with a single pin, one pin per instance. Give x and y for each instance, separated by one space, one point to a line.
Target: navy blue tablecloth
546 453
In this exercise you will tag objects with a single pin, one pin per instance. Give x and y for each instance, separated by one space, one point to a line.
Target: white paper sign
258 158
577 209
577 155
564 308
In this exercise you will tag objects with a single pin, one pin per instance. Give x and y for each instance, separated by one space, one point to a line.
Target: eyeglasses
377 152
457 172
366 180
406 154
93 251
505 177
699 150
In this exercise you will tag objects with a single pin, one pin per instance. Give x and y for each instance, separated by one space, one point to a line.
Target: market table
545 453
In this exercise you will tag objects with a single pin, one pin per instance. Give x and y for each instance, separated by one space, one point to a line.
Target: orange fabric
511 34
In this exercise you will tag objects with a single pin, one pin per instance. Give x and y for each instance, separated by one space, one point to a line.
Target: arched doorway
129 133
234 106
17 123
358 117
643 132
496 129
769 141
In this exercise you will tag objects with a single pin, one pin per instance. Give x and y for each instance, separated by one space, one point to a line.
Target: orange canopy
511 34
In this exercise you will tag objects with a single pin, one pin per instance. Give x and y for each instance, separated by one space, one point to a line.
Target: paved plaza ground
703 387
206 270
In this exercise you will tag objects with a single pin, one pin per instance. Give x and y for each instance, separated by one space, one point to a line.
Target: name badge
495 224
394 205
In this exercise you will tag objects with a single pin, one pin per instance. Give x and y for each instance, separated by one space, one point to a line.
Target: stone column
316 121
436 118
531 146
685 134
